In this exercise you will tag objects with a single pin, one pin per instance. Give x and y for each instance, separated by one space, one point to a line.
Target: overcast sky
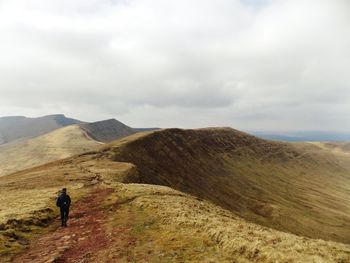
248 64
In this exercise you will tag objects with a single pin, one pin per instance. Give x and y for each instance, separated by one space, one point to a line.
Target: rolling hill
57 144
15 129
19 128
238 198
335 147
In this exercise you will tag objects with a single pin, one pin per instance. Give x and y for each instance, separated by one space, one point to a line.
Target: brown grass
169 226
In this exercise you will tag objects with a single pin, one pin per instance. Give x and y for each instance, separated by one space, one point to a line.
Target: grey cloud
248 64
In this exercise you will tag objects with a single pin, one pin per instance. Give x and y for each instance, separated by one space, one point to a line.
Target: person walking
63 202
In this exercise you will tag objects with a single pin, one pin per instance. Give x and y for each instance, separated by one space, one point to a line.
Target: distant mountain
146 129
304 136
28 142
55 145
107 130
18 127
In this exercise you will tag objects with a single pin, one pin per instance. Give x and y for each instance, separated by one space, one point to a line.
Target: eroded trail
78 242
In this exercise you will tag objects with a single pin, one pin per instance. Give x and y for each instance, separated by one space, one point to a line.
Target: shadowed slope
293 188
107 130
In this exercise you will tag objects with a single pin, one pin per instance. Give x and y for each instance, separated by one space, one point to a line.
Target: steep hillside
297 188
59 144
107 130
17 128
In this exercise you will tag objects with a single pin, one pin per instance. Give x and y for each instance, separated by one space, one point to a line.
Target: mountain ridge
62 142
15 128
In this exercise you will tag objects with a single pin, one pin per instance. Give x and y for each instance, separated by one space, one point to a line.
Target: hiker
63 202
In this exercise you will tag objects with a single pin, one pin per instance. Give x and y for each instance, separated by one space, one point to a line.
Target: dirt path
79 241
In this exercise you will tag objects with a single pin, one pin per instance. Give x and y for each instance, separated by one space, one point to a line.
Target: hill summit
107 130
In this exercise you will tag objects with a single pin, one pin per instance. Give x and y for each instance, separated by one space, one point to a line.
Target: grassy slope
297 188
55 145
340 148
27 201
147 223
164 225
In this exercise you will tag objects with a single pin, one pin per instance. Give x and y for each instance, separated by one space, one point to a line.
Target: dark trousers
64 215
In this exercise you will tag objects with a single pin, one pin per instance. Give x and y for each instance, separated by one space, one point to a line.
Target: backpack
63 201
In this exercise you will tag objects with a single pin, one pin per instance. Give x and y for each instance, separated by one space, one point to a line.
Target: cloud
248 64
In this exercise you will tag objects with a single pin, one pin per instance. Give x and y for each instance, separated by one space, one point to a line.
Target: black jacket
63 201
